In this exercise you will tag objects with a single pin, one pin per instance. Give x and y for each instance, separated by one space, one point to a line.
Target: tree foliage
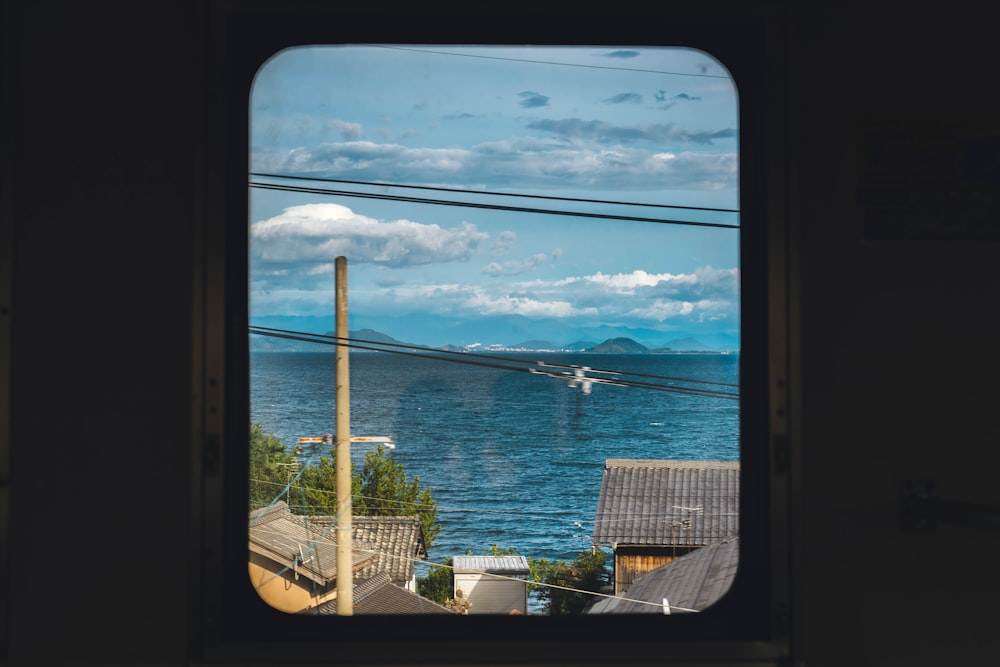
438 583
381 488
315 492
270 467
562 588
569 582
384 490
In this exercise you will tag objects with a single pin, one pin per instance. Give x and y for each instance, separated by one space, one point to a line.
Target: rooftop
667 502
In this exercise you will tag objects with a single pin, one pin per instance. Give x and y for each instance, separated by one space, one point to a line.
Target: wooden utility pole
342 457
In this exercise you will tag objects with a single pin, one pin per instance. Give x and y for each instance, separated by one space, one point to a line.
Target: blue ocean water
512 458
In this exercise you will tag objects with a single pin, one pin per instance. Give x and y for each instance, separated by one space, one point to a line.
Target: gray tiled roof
379 595
667 502
694 581
293 541
395 541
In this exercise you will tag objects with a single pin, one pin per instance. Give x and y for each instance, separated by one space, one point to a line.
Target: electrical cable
423 562
495 207
446 509
545 62
452 356
478 355
492 194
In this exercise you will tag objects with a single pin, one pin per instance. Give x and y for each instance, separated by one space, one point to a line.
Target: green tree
380 489
271 467
569 582
315 492
438 583
384 490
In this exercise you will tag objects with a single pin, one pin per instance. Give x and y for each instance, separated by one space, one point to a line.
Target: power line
526 582
495 207
492 194
546 62
463 357
353 342
313 542
662 516
466 354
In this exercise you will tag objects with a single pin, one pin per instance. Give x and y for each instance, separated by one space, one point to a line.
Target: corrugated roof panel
491 564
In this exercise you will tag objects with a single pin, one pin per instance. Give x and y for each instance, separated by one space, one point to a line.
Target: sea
512 457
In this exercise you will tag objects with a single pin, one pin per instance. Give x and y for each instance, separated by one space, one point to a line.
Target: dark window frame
752 622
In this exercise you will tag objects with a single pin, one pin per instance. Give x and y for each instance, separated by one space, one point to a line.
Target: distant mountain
687 345
536 345
496 332
366 337
619 346
261 343
506 330
305 323
372 338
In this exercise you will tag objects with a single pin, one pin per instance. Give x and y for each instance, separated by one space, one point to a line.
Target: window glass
542 251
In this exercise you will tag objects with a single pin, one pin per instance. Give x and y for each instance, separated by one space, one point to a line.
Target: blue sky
625 125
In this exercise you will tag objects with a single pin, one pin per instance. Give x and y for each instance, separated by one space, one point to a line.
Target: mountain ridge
509 332
370 339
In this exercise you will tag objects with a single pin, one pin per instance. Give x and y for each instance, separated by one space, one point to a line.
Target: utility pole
342 457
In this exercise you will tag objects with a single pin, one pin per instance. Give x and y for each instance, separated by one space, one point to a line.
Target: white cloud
346 130
321 232
528 307
516 267
630 281
515 163
705 294
502 243
663 310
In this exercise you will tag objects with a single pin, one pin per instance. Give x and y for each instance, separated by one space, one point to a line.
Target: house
397 541
650 512
690 583
379 595
492 584
293 560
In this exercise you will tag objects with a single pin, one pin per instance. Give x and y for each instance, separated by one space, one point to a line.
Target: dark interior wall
102 143
896 341
104 135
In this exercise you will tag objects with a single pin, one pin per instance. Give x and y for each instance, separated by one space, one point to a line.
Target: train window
532 283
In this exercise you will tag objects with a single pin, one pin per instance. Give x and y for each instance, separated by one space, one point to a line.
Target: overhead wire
447 509
471 359
324 534
545 62
495 207
578 200
439 354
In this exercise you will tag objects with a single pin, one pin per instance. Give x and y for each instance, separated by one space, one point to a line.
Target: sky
523 134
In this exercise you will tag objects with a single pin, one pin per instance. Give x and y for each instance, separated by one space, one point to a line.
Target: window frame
753 621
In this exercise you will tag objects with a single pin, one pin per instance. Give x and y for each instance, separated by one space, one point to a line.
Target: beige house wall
281 590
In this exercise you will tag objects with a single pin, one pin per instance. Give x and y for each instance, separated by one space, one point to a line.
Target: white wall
489 595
